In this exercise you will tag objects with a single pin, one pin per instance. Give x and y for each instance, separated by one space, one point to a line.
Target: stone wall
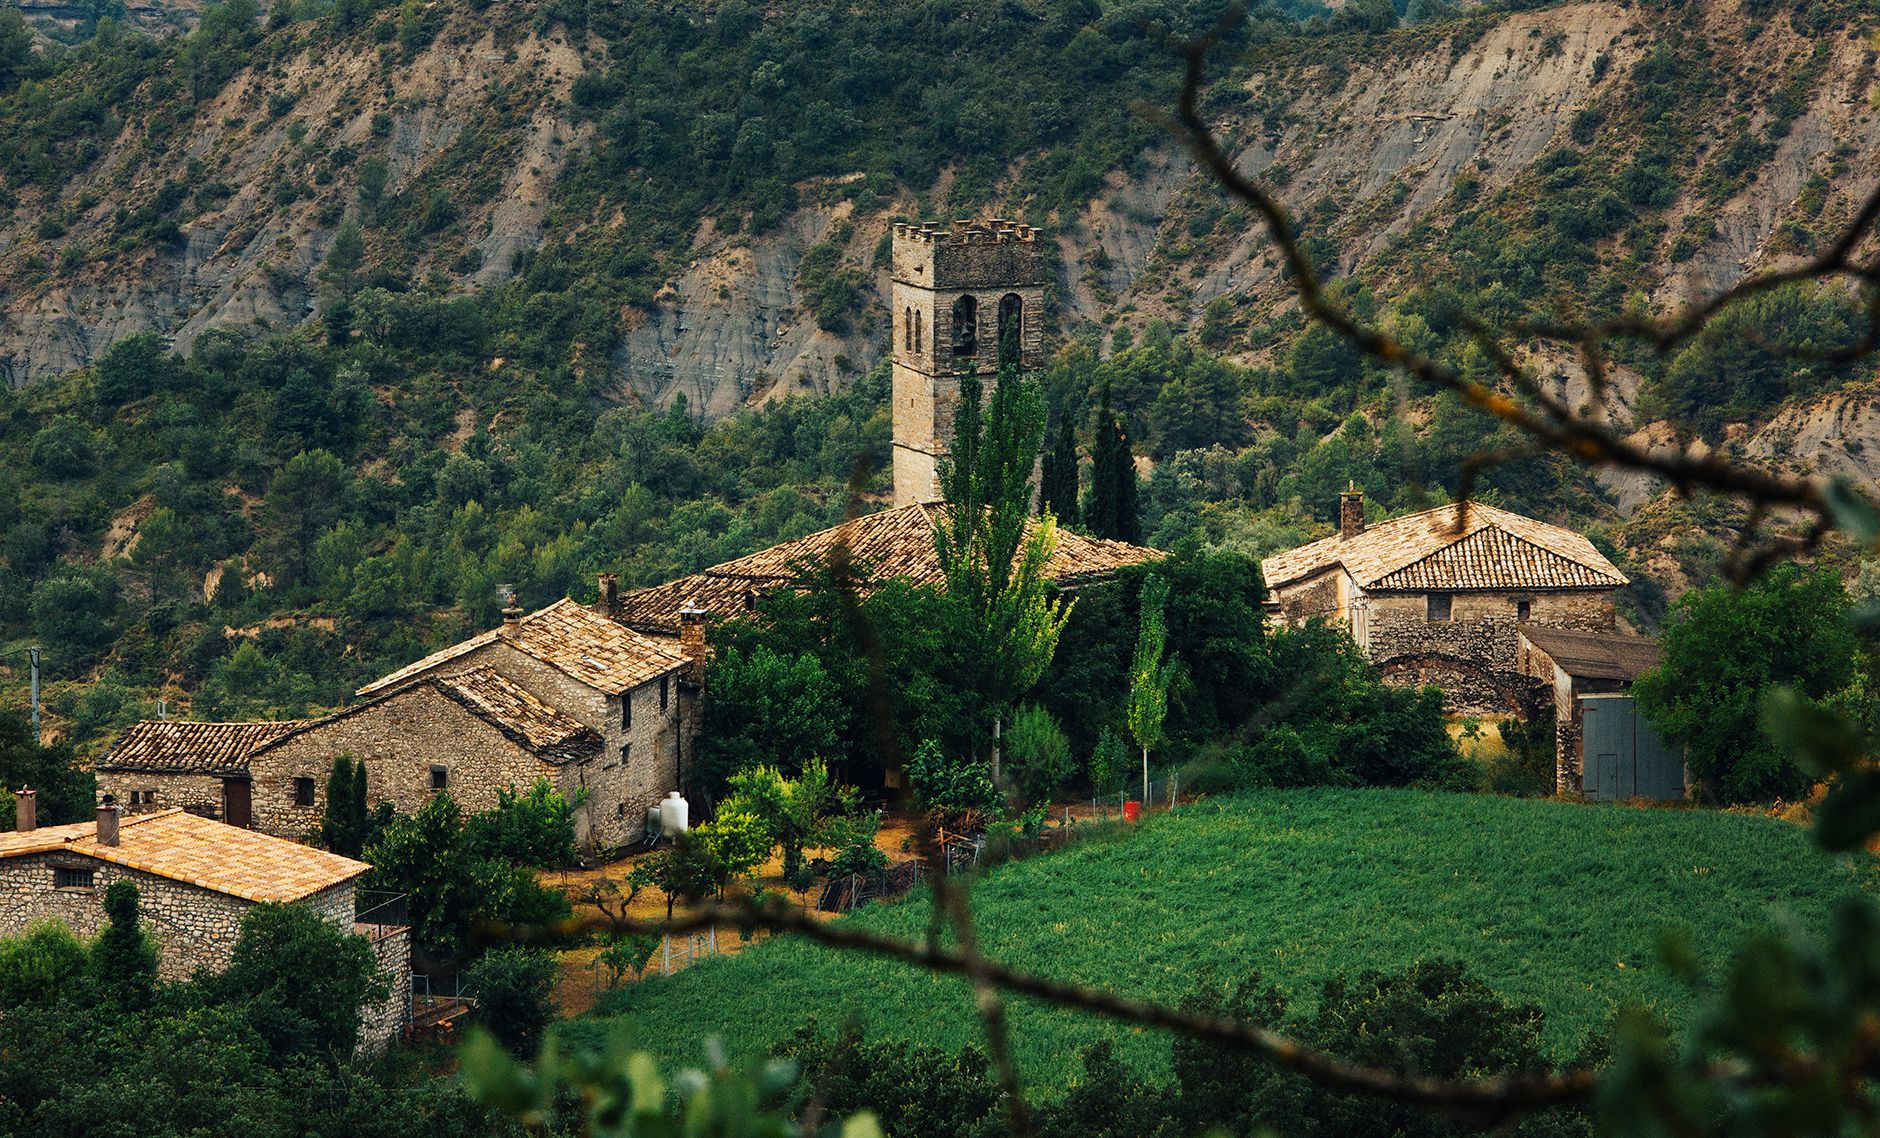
1315 596
399 738
193 927
196 793
385 1020
1475 655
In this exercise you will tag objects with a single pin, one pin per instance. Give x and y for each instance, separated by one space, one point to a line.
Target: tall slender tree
1150 675
1059 491
993 554
1113 509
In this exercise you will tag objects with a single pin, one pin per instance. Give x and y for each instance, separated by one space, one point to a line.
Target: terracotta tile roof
200 851
516 712
1491 549
570 637
179 747
1594 655
891 544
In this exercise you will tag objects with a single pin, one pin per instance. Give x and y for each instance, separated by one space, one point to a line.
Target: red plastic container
1132 811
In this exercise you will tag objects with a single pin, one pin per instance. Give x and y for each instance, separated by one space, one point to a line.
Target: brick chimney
609 604
692 641
107 824
1350 512
26 810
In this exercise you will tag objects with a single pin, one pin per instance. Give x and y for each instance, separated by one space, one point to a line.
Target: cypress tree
342 825
1059 492
1113 510
123 963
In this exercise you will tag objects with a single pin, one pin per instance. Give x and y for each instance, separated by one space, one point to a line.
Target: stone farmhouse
1439 597
195 878
563 694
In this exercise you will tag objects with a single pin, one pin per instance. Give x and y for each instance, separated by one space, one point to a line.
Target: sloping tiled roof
891 544
200 851
1490 549
1594 655
178 747
600 652
516 712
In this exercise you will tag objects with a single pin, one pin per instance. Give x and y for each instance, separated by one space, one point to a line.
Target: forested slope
506 274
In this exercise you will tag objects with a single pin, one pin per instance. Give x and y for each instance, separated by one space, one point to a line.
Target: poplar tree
993 554
1150 675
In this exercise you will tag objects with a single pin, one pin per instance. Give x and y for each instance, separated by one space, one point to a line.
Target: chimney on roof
512 613
26 810
692 641
1350 512
610 595
107 823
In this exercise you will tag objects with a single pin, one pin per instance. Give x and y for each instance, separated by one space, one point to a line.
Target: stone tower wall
933 269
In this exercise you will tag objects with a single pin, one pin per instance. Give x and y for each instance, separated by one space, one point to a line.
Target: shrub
515 990
42 966
534 828
958 790
1037 753
304 980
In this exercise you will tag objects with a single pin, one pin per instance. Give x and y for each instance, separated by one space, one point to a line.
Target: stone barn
195 879
471 733
1589 675
160 764
1439 597
580 666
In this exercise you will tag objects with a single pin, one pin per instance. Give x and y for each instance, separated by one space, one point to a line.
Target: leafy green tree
763 708
304 979
42 966
534 827
74 613
993 555
1150 675
123 961
793 809
958 791
515 991
1724 649
421 855
65 788
303 499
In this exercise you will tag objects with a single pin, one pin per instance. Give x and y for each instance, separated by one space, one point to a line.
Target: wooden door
237 803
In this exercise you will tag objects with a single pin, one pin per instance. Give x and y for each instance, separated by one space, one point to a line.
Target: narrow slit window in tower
966 327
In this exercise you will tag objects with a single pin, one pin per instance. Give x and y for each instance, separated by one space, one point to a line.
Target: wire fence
1163 793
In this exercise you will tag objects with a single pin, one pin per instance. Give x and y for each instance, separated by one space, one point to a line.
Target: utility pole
32 654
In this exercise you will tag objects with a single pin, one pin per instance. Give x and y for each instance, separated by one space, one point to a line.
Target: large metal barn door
1624 757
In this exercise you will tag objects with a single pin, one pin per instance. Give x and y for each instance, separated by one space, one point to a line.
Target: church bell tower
956 293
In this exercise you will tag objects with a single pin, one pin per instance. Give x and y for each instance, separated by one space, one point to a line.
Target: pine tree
1113 509
1059 492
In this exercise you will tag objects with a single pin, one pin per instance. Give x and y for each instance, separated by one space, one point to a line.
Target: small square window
664 689
303 792
440 778
1523 609
1439 605
71 878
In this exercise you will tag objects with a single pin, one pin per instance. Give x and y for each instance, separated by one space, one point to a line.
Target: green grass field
1558 904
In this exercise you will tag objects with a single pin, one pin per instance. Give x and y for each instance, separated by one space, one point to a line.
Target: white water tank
674 815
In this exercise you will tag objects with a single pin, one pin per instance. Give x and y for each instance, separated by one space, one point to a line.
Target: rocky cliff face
1370 146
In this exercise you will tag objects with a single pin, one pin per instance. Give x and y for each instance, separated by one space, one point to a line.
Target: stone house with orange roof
196 878
164 764
1439 597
